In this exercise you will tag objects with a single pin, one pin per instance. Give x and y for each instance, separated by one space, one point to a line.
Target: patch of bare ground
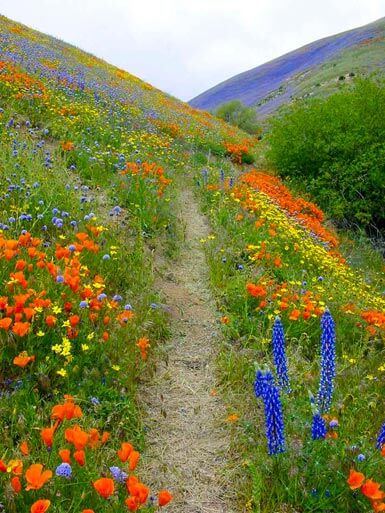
188 436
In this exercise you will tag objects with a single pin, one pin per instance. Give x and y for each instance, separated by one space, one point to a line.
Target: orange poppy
164 497
255 290
16 485
378 506
105 437
5 323
80 457
371 489
65 455
125 451
105 487
22 360
132 503
3 466
133 460
77 437
355 479
36 477
40 506
24 448
21 328
68 410
16 467
88 511
47 435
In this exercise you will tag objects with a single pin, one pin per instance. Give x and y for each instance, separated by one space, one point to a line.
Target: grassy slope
88 156
311 70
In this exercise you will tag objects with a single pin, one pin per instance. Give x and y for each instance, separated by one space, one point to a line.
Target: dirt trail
187 430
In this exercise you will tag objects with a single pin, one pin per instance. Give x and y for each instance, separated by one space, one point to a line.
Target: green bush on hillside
237 114
336 148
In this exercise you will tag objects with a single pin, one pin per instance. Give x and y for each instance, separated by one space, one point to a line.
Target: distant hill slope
314 69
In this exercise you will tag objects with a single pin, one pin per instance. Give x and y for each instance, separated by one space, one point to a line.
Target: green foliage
237 114
336 147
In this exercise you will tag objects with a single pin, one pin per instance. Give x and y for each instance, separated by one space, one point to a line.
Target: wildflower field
92 163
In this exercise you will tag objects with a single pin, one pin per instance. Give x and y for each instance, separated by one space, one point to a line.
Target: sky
184 47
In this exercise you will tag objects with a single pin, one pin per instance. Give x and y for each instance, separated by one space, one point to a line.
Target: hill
313 70
143 271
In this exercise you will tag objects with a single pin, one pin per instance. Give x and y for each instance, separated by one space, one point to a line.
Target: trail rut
187 431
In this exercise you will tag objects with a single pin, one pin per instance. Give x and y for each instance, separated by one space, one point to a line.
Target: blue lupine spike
275 434
318 428
279 352
328 363
381 437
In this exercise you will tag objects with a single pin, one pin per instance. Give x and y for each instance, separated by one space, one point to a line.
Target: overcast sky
187 46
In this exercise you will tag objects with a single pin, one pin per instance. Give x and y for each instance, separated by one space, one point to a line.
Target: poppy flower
3 466
65 455
80 457
77 437
164 497
104 486
371 489
16 484
24 448
36 477
22 360
21 328
255 290
40 506
105 437
16 467
355 479
68 410
133 460
378 506
5 323
125 451
47 435
132 503
88 511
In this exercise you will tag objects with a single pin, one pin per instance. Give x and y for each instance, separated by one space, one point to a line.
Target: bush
336 148
237 114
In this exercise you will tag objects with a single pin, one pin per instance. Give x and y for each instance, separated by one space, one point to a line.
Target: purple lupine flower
318 428
264 387
118 474
279 352
381 437
328 363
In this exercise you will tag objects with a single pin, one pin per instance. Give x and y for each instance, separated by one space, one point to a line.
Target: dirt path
186 421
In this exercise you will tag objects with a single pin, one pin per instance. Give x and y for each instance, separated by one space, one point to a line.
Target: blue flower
83 304
106 257
64 470
361 457
318 428
118 474
279 352
328 363
95 401
264 387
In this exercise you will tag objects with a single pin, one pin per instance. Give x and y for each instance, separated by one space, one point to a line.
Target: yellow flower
85 347
62 372
56 309
115 367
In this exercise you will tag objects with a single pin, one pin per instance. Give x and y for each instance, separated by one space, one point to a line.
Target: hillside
313 70
178 330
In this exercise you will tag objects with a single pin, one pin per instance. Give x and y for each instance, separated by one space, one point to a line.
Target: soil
187 432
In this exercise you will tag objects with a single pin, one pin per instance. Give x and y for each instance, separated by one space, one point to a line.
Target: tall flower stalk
328 363
275 433
279 353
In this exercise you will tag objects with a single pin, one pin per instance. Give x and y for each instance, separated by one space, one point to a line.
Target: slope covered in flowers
282 274
88 160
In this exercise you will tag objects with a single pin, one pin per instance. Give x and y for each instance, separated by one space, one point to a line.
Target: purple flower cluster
328 363
275 432
280 360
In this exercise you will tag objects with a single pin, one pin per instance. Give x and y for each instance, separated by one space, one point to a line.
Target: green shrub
237 114
335 147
